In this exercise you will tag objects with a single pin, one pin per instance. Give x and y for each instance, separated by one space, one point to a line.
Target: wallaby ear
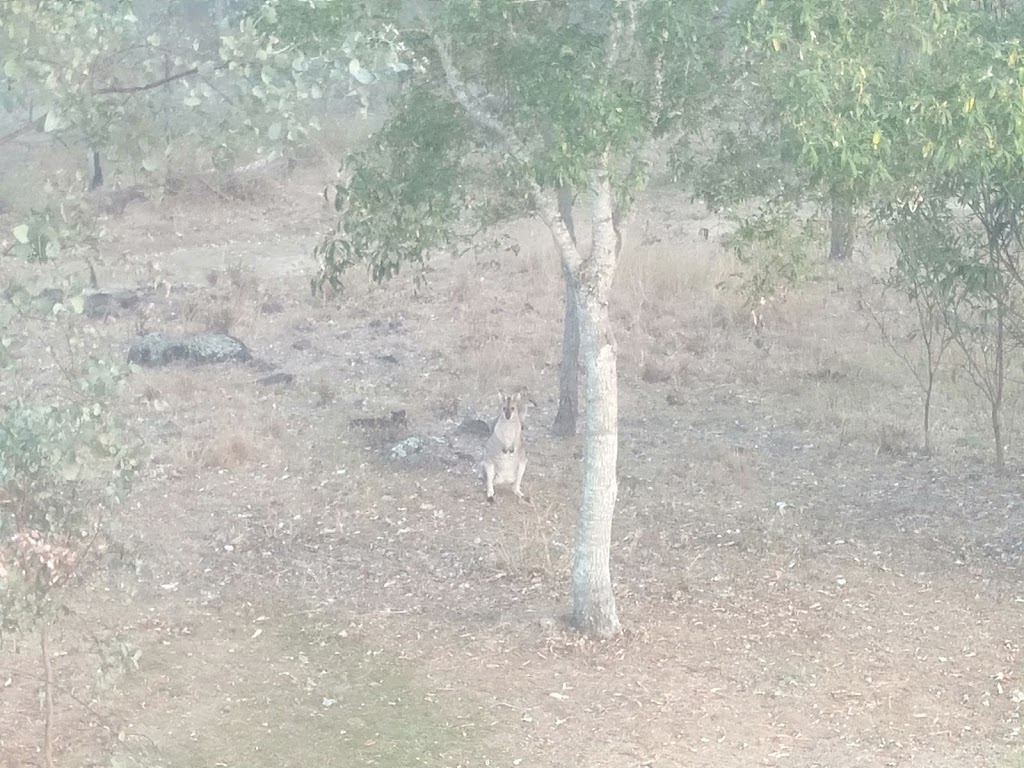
501 398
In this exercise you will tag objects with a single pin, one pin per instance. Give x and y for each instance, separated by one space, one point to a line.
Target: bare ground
801 585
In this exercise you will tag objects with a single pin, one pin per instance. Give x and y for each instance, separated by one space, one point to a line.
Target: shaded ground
801 586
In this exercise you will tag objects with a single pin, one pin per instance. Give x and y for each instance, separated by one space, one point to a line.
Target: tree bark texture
594 610
843 228
569 369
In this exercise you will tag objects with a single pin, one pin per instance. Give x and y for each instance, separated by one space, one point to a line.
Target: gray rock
276 378
47 299
476 428
407 447
104 304
396 419
156 349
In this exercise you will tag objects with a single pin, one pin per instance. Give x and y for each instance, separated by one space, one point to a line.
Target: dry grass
671 311
231 449
532 551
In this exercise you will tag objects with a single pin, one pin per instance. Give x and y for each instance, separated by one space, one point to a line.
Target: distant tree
912 108
793 126
111 76
111 80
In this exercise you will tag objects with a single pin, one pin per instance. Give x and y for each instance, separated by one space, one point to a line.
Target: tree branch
546 203
614 45
115 89
473 106
642 162
17 132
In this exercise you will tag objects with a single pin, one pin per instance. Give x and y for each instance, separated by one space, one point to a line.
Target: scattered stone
272 308
302 345
393 325
388 359
156 349
262 366
107 304
98 304
407 447
397 418
275 378
475 427
47 299
114 201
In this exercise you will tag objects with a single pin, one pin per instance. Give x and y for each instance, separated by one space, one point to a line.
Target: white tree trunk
593 600
569 370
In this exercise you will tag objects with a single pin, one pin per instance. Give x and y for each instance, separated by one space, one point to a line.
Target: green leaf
53 121
363 76
77 304
20 233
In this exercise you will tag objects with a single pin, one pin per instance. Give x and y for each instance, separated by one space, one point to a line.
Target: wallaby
505 455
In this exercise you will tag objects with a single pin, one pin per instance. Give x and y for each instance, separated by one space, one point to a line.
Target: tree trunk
843 226
97 172
569 369
594 609
998 376
44 647
929 388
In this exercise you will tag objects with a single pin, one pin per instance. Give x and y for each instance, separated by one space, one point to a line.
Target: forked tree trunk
569 369
844 228
594 609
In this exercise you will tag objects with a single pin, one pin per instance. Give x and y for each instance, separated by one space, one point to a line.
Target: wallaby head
509 405
509 425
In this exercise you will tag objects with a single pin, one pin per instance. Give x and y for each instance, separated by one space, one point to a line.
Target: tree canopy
498 101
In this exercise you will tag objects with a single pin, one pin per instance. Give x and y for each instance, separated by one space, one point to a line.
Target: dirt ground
800 584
